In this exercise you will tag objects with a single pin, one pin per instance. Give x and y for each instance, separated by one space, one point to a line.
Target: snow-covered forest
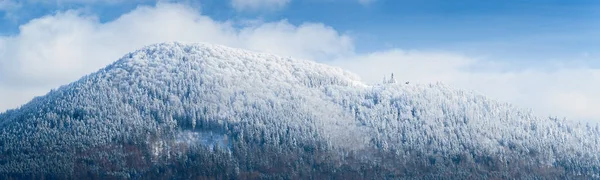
201 110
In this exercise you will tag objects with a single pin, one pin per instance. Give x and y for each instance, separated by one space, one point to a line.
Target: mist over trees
177 110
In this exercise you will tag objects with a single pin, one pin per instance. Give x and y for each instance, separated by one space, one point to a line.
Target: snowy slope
198 110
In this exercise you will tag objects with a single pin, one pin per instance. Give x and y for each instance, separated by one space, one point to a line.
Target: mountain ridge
233 113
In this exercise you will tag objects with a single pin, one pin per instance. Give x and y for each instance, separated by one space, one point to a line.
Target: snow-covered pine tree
262 116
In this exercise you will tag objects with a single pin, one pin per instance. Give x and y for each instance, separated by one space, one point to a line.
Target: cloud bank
59 48
562 92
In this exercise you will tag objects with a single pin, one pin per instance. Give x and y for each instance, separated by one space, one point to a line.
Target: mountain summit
177 110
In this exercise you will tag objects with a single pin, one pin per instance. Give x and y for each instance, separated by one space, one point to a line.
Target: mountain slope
200 110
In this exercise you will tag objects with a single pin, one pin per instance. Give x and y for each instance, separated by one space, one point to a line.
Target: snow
209 139
171 94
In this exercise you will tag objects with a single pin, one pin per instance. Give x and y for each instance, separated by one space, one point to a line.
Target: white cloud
309 41
58 49
12 97
8 5
566 92
413 66
255 5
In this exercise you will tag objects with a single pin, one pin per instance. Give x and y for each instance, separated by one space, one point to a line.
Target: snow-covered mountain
200 110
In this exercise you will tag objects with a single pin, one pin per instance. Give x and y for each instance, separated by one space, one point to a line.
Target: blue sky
538 54
523 31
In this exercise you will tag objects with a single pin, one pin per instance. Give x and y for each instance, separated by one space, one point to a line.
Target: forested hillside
200 110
